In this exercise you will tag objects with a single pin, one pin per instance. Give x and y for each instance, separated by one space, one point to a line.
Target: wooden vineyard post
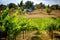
52 35
23 34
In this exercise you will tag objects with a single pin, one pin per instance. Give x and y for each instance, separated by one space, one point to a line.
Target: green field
43 23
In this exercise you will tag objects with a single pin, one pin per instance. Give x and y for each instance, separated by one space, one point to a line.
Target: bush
48 10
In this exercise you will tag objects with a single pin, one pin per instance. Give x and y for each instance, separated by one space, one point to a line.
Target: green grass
45 23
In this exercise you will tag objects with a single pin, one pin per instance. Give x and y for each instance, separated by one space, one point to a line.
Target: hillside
42 13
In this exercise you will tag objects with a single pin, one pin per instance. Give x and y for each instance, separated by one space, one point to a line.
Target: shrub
48 10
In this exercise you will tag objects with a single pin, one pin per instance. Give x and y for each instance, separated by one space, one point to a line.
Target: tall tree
29 5
12 5
2 7
55 7
21 4
48 9
40 6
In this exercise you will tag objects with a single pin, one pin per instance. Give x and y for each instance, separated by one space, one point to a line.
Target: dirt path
56 35
27 36
45 36
37 16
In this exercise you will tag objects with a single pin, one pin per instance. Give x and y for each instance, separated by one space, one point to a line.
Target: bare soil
42 14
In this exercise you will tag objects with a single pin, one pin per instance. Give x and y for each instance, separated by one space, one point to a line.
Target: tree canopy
2 7
12 5
29 5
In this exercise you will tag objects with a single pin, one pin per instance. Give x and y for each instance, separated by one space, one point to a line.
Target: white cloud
35 1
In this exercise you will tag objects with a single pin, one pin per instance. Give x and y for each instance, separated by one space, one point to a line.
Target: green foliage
9 24
21 11
40 6
38 33
29 5
2 28
55 7
13 25
2 17
12 5
4 14
57 23
27 24
45 23
48 10
2 7
2 23
21 4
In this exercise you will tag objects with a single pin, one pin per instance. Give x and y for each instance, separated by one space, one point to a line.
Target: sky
46 2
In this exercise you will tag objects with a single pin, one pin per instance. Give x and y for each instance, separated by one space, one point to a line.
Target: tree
2 7
12 5
37 6
40 6
48 9
55 7
21 4
29 5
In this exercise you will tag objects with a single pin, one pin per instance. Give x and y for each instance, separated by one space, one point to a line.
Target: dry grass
42 14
